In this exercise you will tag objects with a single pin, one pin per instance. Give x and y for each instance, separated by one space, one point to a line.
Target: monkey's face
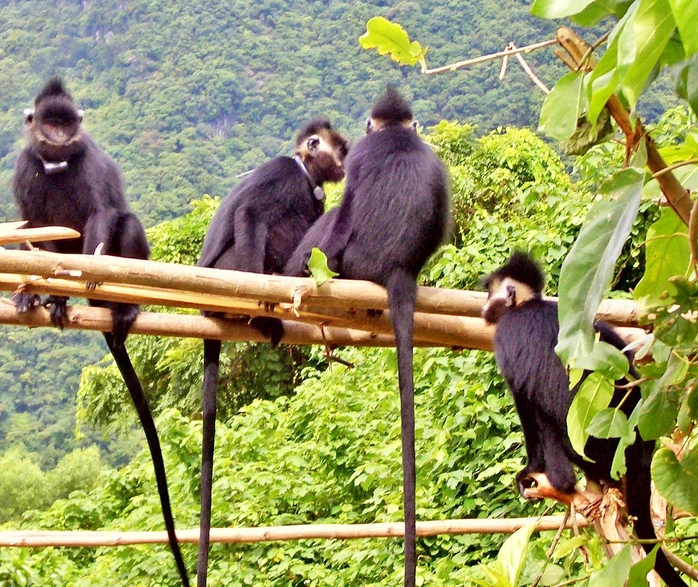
504 294
323 155
55 128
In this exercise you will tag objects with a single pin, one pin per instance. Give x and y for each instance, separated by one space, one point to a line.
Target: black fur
86 195
256 228
391 110
393 216
524 346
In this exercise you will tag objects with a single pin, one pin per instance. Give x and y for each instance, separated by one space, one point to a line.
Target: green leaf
558 8
615 572
677 480
391 39
667 254
562 106
593 396
638 572
651 30
513 552
686 82
588 269
609 423
603 81
604 358
618 467
686 17
318 267
660 408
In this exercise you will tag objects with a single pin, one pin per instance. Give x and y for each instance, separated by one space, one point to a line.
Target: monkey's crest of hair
54 87
392 108
522 268
313 127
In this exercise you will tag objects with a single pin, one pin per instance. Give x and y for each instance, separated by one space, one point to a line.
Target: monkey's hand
25 302
57 308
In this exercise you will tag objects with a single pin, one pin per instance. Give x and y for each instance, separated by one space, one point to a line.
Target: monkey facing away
394 214
63 178
256 228
524 345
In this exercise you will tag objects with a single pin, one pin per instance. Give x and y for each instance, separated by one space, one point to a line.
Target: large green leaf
391 39
651 30
661 406
667 254
588 269
592 398
615 573
513 552
558 8
686 82
686 17
638 572
677 480
603 81
609 423
562 106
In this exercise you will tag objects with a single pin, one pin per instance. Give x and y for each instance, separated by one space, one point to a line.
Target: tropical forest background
187 95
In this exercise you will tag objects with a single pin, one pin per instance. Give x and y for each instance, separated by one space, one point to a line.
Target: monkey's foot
581 498
25 302
57 306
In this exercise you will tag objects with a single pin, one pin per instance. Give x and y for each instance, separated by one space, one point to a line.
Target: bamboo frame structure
333 314
35 539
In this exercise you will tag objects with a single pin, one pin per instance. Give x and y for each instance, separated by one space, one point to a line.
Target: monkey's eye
313 143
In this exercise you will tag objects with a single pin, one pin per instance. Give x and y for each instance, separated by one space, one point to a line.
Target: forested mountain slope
186 94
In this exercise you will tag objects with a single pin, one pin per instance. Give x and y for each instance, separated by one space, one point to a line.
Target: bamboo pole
44 538
21 235
456 332
193 326
343 294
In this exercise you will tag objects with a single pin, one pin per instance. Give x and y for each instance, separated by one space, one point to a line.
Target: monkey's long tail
639 493
133 384
212 353
402 292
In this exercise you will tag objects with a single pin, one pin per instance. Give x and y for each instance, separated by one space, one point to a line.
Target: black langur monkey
63 178
524 346
393 216
256 228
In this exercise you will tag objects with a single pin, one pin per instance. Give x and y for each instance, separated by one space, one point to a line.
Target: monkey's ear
81 114
313 144
368 125
28 115
414 125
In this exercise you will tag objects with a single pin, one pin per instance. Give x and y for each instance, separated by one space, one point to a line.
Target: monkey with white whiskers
524 346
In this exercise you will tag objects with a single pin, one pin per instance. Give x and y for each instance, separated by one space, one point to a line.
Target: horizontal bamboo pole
336 293
43 538
471 333
192 326
450 331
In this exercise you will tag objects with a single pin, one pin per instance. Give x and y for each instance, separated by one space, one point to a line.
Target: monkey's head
53 126
391 110
322 150
516 282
